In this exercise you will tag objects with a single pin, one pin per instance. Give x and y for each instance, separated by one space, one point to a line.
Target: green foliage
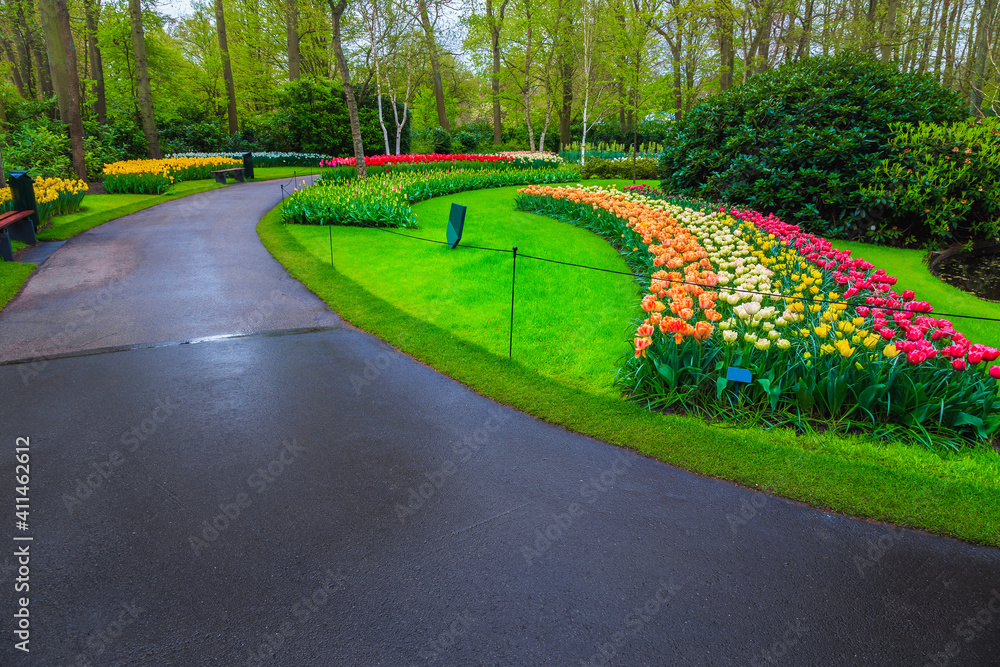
384 201
942 183
110 143
137 184
183 135
645 167
440 141
311 117
41 147
801 141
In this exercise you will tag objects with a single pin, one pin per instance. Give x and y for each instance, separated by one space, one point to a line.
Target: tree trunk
802 50
345 77
979 56
889 31
527 77
15 71
566 117
727 52
292 37
495 22
22 37
93 11
227 69
142 82
425 22
62 57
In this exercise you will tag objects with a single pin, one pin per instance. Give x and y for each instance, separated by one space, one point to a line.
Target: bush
440 140
645 168
41 147
802 140
179 135
942 184
312 118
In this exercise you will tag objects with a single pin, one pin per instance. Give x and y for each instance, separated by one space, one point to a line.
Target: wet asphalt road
312 497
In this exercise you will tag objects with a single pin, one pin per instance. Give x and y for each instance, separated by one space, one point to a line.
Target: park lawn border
810 469
13 275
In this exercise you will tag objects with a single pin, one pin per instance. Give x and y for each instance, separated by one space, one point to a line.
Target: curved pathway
302 494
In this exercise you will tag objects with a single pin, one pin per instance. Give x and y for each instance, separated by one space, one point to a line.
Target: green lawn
450 309
911 270
561 311
12 276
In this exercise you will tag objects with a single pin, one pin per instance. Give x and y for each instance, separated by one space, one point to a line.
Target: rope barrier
633 275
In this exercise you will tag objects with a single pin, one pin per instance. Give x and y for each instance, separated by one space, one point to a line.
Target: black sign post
22 191
248 165
456 222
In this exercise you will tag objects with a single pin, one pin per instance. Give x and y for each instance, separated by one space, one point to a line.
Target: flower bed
343 169
824 335
54 196
384 201
266 158
155 176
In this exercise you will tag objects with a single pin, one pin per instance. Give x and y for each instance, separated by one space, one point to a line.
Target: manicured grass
911 270
560 311
272 173
12 276
422 300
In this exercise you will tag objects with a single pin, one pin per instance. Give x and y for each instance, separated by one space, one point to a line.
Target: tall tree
345 77
494 20
143 91
92 8
980 54
62 58
227 68
432 52
292 39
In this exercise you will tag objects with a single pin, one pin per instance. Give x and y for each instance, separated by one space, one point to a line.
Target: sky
174 8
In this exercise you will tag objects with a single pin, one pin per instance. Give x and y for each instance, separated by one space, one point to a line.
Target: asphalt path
224 473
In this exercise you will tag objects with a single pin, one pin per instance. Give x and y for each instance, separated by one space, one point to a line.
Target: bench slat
10 217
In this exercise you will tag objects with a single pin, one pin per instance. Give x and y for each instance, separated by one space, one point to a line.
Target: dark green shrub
190 135
41 147
441 141
802 140
942 183
645 168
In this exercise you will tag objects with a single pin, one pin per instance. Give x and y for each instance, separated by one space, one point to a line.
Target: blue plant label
738 375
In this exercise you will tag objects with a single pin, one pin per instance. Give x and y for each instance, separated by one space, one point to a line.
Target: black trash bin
22 190
248 165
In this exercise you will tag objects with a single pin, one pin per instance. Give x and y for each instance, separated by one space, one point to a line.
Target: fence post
513 277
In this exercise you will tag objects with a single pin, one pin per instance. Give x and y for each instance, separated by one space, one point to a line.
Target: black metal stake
331 237
282 193
513 277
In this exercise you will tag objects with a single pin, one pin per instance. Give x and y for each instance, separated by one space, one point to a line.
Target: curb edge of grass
777 463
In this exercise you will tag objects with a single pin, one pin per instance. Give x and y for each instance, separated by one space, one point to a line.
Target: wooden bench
220 175
18 226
